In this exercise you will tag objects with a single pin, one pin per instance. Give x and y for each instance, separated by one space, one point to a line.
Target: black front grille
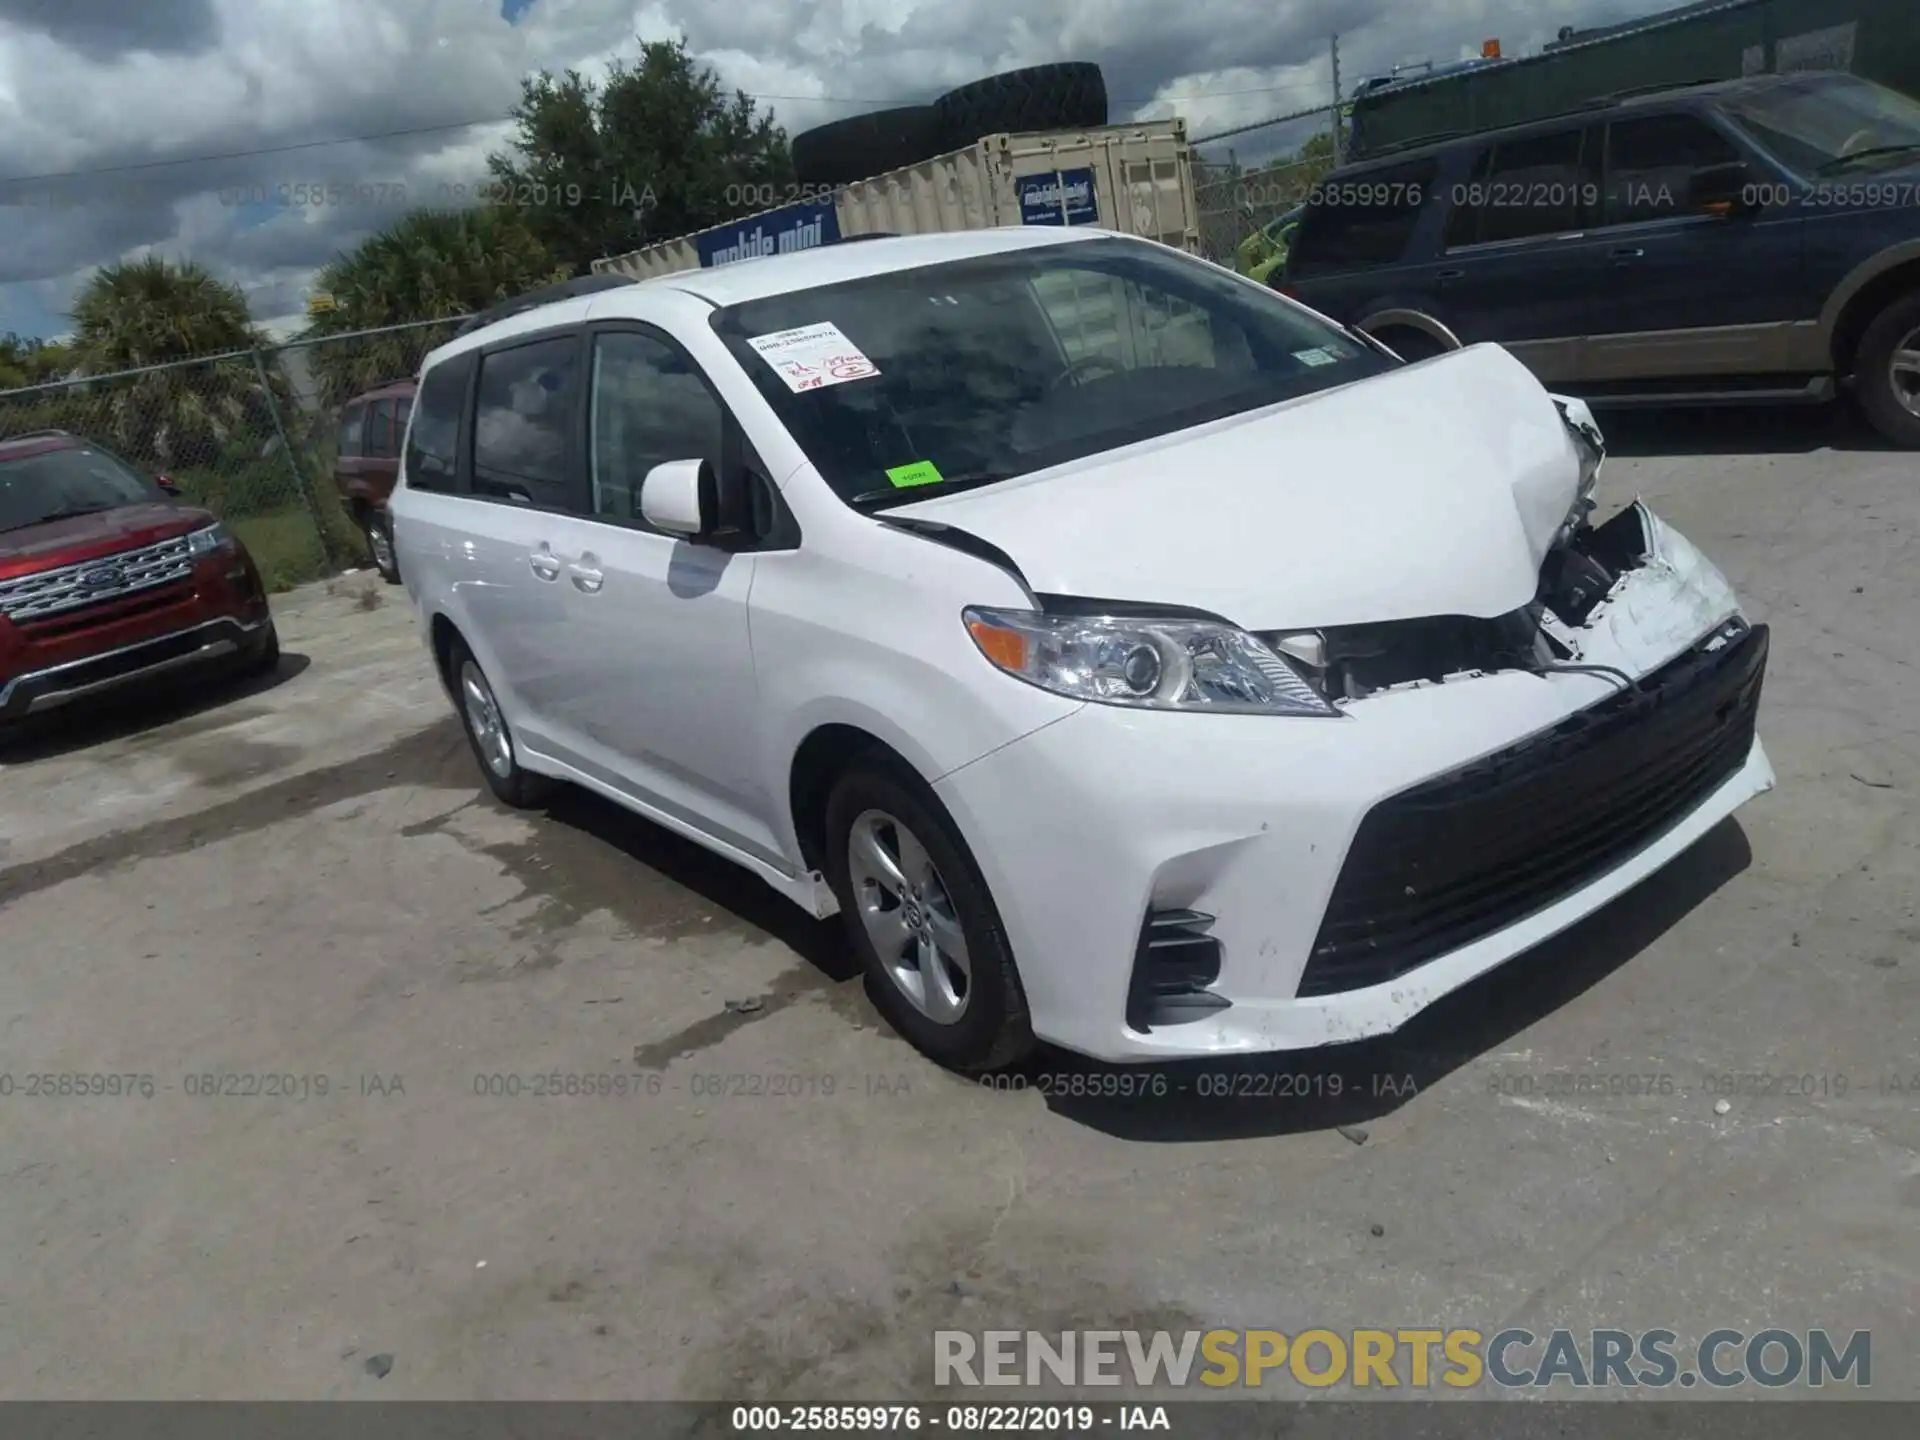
1463 855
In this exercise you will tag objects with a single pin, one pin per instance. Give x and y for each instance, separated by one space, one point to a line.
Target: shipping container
1875 39
1137 179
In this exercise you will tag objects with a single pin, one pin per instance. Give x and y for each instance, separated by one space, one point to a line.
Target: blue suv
1751 240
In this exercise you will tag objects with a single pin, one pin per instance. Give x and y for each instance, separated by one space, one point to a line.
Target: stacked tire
1067 96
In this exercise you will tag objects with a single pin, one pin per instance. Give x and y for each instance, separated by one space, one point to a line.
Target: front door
1691 292
660 693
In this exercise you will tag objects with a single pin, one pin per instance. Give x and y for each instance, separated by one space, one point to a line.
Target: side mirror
166 484
1722 190
678 497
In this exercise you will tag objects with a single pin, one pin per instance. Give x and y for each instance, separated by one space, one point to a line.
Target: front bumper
1357 870
213 640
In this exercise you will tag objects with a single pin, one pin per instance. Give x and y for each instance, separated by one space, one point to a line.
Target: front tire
919 916
1887 375
266 656
491 738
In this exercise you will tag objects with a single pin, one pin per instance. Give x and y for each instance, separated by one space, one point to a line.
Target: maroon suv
107 578
373 426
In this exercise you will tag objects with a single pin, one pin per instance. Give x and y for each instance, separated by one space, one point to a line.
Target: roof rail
1412 142
1635 90
545 295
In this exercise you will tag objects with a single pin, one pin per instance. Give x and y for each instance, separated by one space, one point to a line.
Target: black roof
545 295
1637 98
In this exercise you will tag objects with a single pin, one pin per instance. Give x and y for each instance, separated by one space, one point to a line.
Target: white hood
1433 490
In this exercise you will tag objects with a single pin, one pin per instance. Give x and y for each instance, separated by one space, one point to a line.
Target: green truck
1713 40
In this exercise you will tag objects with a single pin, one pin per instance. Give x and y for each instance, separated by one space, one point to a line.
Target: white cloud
121 89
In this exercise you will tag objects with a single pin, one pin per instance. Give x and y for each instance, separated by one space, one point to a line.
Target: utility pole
1339 147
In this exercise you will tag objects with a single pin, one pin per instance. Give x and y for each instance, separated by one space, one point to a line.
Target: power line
412 130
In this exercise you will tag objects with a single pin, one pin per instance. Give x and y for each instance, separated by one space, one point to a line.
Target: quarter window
522 415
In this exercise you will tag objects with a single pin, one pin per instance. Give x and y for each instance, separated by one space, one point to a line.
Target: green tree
27 361
656 151
429 265
152 311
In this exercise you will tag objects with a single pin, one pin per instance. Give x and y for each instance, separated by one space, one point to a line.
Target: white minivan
1137 660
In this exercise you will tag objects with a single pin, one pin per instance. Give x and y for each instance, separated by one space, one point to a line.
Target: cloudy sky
182 126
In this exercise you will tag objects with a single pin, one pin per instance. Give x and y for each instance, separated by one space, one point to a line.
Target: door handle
544 563
587 575
1626 253
1445 275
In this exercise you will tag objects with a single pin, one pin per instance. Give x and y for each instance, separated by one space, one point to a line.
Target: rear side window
522 421
1361 222
353 424
432 447
1650 162
1530 186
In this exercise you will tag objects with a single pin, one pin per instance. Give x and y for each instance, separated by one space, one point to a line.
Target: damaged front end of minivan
1619 599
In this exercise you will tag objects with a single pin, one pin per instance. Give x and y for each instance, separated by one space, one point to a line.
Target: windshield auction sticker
809 357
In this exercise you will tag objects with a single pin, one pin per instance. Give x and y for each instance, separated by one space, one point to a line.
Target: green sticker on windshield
920 472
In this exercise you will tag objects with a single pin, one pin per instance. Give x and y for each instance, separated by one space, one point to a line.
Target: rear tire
941 969
1887 372
490 737
379 534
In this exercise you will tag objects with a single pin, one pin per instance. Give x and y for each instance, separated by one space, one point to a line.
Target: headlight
1149 664
205 542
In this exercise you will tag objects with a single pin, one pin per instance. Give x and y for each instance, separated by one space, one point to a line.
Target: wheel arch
443 635
1382 323
1862 295
826 752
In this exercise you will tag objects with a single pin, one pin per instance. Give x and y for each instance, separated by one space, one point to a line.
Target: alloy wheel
485 721
381 543
1904 373
908 914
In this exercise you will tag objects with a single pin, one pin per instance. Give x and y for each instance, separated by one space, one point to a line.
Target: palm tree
429 265
154 312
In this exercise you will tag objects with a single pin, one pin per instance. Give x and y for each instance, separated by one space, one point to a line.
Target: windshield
1828 123
974 371
78 481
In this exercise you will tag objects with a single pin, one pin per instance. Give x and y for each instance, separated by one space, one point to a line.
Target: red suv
372 427
107 578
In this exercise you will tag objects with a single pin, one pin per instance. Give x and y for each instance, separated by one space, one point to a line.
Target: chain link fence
251 434
1237 208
